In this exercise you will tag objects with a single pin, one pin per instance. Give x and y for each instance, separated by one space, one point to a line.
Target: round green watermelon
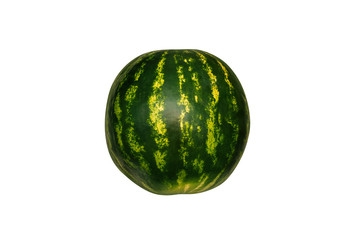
177 121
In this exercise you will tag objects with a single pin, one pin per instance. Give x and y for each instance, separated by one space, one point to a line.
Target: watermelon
177 121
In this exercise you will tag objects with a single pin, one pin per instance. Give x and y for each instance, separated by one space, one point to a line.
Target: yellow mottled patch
198 128
202 58
187 131
156 102
211 142
118 126
215 93
118 130
158 84
139 72
160 159
133 143
180 75
184 102
195 79
155 117
182 115
130 96
198 165
156 106
162 142
183 154
117 108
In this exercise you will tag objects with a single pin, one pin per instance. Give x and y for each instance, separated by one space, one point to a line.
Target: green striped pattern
177 121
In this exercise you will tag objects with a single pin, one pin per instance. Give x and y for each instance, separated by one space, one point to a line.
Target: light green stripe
147 187
117 108
212 183
213 131
156 105
234 125
235 136
132 139
195 79
139 72
231 87
201 183
118 125
119 130
185 127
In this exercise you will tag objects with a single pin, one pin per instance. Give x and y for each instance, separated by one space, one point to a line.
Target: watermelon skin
177 121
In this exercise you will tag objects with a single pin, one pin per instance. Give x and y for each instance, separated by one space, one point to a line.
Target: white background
298 62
